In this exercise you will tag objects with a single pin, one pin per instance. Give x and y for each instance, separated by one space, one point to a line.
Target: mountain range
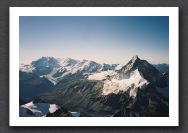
91 89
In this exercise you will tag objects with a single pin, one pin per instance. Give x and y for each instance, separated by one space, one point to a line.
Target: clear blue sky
113 39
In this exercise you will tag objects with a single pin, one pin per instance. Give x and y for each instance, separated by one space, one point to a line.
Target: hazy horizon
123 62
113 39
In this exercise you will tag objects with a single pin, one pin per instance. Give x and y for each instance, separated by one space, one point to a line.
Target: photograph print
94 66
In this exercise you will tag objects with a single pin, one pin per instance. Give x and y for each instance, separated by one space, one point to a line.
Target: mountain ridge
86 87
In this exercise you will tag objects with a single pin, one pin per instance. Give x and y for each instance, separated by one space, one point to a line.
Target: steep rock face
148 71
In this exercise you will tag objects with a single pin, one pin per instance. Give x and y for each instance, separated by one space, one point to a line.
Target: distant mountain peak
148 71
135 57
44 59
135 61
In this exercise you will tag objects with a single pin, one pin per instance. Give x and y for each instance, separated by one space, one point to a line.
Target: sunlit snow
114 85
101 75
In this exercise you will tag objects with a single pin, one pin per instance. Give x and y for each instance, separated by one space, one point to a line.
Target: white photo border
172 120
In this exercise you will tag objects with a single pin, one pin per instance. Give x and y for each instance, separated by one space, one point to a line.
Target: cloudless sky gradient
109 39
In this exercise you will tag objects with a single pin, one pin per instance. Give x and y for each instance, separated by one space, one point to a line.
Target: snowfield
115 85
101 75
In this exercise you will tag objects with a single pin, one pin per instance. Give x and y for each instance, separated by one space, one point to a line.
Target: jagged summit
45 62
135 57
44 59
145 68
135 60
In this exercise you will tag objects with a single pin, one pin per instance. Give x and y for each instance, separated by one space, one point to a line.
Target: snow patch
39 109
31 107
133 82
101 75
53 108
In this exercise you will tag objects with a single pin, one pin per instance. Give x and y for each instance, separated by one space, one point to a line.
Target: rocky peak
135 57
148 71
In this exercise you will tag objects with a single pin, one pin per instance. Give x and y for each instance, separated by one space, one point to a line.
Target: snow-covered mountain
47 65
55 69
115 85
93 89
147 70
135 74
